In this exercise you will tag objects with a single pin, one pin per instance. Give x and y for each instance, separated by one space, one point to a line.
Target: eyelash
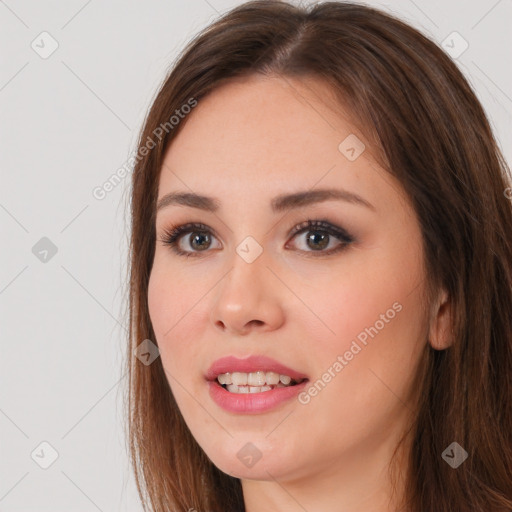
172 235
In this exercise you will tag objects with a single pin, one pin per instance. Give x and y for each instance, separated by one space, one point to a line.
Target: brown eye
321 234
199 239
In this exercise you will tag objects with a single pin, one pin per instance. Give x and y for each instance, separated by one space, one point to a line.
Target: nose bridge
246 279
248 263
246 294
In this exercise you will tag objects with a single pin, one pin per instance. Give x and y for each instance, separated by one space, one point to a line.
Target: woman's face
348 315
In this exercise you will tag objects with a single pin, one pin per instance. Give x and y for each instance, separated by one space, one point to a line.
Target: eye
200 240
320 234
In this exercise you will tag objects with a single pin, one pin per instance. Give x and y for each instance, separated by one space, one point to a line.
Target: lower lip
252 402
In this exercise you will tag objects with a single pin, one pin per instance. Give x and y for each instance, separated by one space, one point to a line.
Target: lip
250 364
254 403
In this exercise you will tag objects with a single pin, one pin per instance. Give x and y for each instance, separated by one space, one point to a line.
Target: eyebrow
278 204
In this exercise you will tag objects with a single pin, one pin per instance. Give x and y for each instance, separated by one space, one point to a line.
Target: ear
440 331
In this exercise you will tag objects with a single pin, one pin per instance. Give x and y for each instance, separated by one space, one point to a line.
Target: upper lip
250 364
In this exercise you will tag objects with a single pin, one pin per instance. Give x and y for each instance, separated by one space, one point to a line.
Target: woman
321 251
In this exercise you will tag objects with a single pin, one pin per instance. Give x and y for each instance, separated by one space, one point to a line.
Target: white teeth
272 378
256 379
232 388
254 382
224 378
238 378
285 379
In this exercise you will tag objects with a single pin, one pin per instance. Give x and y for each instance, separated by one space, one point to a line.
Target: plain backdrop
69 119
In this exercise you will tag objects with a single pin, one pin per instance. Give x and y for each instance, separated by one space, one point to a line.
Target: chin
249 461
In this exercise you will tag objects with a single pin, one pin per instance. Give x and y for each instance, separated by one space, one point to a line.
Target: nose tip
238 324
247 301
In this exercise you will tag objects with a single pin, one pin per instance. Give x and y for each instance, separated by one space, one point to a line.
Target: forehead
265 136
255 114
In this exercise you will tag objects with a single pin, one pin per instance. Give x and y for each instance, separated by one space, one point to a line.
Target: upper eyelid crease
278 204
171 236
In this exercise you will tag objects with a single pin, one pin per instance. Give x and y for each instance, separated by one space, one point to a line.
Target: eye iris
324 240
199 236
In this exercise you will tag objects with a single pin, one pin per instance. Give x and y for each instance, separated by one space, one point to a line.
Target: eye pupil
324 239
194 237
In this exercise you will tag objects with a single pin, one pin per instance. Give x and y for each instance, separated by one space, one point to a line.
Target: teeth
238 378
272 378
254 382
224 378
232 388
256 379
285 379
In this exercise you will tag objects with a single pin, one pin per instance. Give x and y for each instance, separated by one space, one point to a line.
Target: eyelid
322 225
172 235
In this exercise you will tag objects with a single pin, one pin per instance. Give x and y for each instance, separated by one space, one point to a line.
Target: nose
248 298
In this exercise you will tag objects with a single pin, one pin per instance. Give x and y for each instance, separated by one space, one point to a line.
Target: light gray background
68 122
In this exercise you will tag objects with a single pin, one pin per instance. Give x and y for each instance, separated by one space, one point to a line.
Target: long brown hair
411 100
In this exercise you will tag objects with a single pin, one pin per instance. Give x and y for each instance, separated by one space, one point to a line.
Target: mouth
255 374
255 385
256 382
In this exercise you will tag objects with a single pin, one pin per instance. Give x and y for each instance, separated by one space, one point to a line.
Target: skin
247 142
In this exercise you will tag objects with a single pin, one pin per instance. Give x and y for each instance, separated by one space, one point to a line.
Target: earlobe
440 332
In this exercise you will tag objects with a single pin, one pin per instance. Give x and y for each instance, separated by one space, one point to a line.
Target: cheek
380 356
345 304
374 318
170 296
170 304
364 392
